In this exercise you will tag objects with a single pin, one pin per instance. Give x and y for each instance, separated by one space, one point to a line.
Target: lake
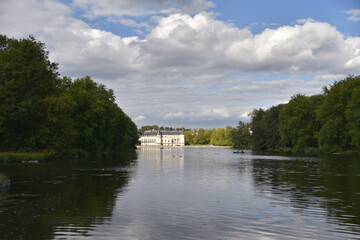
183 193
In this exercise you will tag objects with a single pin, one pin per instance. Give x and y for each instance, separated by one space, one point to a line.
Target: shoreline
186 146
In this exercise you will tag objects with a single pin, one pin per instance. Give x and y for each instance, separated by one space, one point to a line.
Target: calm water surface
183 194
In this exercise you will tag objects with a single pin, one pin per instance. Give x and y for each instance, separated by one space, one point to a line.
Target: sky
199 63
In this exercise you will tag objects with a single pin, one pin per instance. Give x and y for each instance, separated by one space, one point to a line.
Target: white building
163 138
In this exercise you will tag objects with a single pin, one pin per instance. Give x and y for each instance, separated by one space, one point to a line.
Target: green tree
221 136
27 77
298 125
229 131
218 137
352 114
41 111
241 137
62 134
100 124
149 128
200 137
258 128
271 123
339 116
188 138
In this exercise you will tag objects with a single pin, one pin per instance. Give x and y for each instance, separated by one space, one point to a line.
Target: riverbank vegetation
201 136
217 137
22 156
40 111
329 122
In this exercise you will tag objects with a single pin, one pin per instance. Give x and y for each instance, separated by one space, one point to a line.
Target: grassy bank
18 156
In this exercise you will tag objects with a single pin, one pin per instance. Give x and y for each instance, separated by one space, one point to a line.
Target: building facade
163 138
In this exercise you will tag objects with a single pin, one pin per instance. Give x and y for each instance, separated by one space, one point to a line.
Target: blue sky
195 63
285 12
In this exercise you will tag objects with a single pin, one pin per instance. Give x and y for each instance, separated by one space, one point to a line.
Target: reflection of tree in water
332 184
62 196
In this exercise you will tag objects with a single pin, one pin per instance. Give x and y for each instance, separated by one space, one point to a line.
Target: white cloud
21 18
183 69
139 118
355 15
302 21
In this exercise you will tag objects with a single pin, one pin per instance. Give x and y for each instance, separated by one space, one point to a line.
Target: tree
258 128
298 125
188 138
149 128
338 115
41 111
241 137
352 114
27 77
271 128
200 138
229 131
62 133
100 124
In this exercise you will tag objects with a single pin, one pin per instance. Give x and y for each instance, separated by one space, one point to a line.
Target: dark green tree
352 114
298 125
100 124
39 111
339 116
271 124
27 77
241 137
258 129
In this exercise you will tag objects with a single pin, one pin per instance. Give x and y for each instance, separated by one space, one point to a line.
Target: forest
41 111
328 122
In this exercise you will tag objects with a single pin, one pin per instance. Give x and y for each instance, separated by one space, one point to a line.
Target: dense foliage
265 128
329 122
41 111
241 136
220 137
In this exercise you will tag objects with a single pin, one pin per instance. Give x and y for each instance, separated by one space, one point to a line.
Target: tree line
201 136
42 111
328 122
162 128
219 136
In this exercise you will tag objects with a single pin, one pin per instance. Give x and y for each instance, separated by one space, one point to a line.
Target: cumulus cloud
19 18
195 70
